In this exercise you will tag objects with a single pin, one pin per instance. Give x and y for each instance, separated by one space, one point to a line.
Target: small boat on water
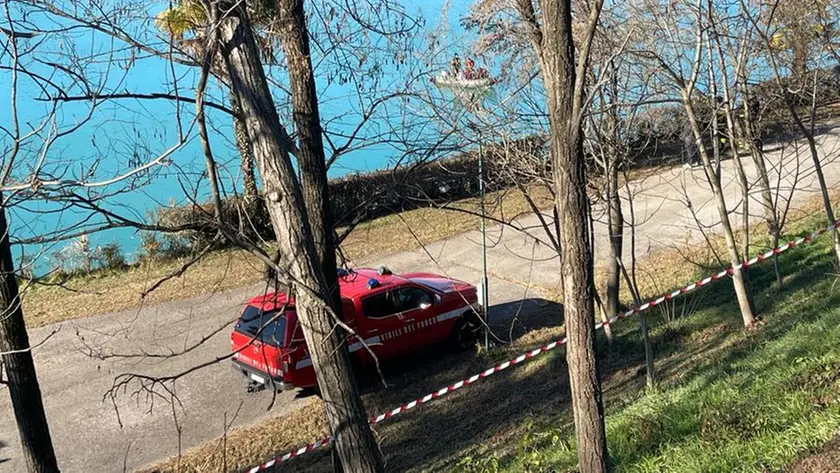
479 80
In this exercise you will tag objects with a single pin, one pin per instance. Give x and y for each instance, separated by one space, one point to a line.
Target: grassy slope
727 400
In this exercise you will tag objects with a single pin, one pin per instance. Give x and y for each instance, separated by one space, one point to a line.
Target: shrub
361 197
150 246
110 256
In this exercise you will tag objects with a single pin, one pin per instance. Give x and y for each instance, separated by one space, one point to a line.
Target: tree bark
750 133
38 454
744 301
800 50
726 108
616 228
345 412
650 372
752 138
246 155
558 71
310 157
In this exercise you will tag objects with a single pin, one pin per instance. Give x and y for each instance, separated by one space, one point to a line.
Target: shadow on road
3 458
511 320
508 322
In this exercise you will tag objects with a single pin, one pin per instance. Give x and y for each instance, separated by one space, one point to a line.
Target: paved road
87 431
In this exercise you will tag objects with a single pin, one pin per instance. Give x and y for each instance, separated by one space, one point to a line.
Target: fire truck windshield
253 319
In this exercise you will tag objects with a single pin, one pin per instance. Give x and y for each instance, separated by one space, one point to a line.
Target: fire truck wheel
464 335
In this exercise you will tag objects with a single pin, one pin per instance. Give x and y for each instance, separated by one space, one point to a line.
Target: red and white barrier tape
294 453
537 351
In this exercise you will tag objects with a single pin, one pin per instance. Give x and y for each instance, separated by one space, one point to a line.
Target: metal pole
484 280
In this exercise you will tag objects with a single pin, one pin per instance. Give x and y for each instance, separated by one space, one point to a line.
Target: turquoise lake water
119 134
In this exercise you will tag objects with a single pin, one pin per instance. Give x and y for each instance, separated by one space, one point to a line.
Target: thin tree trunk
558 71
633 286
812 147
829 211
311 159
599 303
611 159
815 158
38 454
650 373
756 148
744 301
715 128
727 106
616 229
752 139
751 134
745 197
345 412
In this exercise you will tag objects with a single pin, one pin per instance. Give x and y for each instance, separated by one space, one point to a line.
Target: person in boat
456 65
468 69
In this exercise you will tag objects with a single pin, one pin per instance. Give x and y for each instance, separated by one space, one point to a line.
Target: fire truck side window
380 305
410 298
395 301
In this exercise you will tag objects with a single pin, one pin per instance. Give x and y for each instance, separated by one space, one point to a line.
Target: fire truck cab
392 314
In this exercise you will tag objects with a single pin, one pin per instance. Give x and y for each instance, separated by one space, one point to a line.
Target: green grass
727 400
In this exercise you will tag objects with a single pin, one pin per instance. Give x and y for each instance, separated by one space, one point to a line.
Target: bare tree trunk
38 454
727 106
246 154
558 71
633 286
808 132
599 303
715 127
311 160
771 216
610 161
354 440
616 229
650 373
801 52
829 211
815 158
310 156
749 133
745 194
744 301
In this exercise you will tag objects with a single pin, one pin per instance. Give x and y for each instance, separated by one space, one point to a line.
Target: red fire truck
393 314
